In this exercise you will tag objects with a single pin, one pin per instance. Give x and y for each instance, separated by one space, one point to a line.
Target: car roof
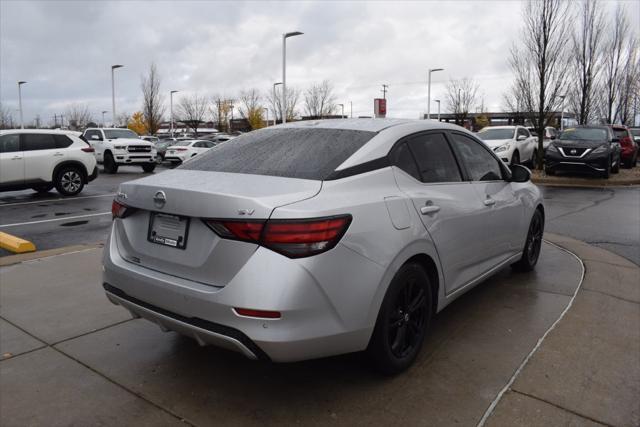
369 125
44 131
501 127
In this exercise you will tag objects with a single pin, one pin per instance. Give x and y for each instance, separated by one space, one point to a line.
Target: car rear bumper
93 175
311 325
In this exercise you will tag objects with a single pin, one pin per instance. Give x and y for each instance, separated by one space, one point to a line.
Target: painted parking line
59 199
55 219
15 244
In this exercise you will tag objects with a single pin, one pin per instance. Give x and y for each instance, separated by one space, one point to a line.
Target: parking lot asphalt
539 348
85 361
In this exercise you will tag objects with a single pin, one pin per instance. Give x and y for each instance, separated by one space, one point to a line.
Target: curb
583 183
17 259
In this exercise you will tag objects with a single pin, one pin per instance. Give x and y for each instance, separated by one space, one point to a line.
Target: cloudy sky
64 49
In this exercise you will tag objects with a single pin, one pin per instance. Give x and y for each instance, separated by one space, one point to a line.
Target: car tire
616 168
149 168
44 188
69 180
532 245
549 172
110 165
607 172
515 158
534 158
403 320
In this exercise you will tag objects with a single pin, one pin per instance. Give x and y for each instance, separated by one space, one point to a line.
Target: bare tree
250 108
274 100
78 115
193 110
461 97
586 57
221 112
614 61
6 118
319 100
153 102
122 120
539 61
628 85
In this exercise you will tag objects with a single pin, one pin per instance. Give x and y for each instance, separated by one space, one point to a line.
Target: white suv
513 144
116 147
43 159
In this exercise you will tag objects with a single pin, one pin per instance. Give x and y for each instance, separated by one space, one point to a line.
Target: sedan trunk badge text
159 199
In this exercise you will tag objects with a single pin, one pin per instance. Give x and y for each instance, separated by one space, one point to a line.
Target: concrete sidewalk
71 358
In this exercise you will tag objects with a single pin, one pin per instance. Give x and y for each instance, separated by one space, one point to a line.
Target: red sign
380 107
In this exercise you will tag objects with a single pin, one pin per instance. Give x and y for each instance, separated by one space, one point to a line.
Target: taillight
626 142
88 149
294 238
264 314
120 210
180 149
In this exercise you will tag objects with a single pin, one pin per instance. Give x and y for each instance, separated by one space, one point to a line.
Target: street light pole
171 110
562 112
275 102
351 109
431 70
20 83
267 118
342 114
438 101
105 111
285 36
113 95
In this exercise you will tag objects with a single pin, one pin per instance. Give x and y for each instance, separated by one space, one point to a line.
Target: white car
221 137
44 159
513 144
182 151
117 147
150 138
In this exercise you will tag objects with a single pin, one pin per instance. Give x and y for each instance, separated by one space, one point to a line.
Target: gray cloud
64 49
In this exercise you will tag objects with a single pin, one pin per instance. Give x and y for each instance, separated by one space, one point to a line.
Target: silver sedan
318 238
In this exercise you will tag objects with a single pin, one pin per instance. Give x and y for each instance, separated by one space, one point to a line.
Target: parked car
628 145
312 239
150 138
550 133
44 159
584 149
182 151
220 137
117 147
161 148
635 132
513 144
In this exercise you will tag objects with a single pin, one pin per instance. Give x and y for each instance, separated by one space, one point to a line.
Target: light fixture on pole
562 112
342 114
113 95
431 70
171 110
438 101
275 103
285 36
20 83
105 111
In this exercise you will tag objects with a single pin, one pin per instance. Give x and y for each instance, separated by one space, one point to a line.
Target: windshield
293 153
119 133
490 134
586 134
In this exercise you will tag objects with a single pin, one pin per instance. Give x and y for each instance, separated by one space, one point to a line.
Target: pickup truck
115 147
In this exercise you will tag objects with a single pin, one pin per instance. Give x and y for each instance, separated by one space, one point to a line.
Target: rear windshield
620 133
491 134
588 134
292 153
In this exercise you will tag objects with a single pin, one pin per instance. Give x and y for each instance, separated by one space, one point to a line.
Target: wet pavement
73 358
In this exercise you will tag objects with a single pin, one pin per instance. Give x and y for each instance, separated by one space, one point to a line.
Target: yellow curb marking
15 244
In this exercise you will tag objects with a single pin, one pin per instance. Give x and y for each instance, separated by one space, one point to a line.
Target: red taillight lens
180 149
626 142
292 238
88 149
120 210
264 314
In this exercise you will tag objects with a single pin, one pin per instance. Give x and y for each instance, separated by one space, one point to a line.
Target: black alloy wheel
533 244
403 320
515 158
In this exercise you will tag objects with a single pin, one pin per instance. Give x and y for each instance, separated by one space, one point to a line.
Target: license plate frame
162 234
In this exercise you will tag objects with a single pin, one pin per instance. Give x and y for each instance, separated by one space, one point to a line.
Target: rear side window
62 141
402 158
434 158
9 143
480 164
38 141
620 133
292 153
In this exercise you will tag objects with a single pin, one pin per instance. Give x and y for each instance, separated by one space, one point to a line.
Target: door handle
16 158
429 208
59 154
489 201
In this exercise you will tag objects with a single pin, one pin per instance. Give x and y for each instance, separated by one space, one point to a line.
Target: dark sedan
593 149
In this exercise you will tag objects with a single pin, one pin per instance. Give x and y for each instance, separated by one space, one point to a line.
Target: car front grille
139 149
573 151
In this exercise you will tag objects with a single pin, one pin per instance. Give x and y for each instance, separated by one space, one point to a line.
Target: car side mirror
553 137
520 173
95 137
521 138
